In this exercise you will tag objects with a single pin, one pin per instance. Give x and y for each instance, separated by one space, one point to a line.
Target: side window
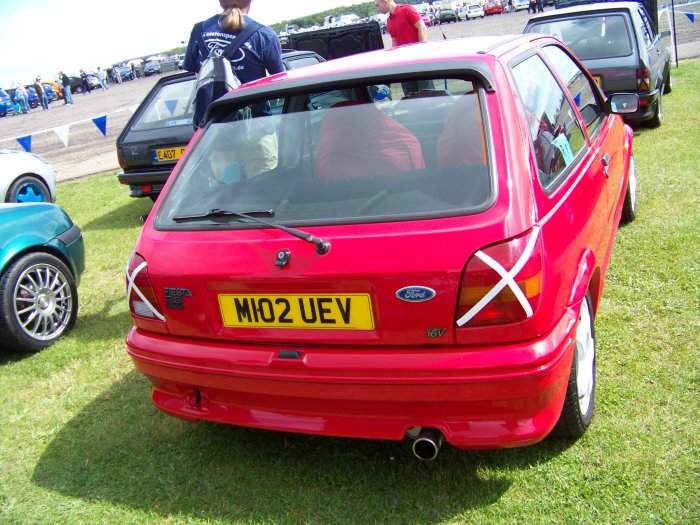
579 86
556 135
647 28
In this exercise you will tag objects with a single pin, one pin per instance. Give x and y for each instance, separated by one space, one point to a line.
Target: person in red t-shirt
405 26
404 23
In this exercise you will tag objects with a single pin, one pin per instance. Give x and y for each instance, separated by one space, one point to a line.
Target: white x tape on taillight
132 287
507 279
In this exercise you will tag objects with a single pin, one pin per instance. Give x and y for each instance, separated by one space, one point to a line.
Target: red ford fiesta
410 242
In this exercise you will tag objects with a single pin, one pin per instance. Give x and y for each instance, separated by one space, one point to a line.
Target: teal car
42 257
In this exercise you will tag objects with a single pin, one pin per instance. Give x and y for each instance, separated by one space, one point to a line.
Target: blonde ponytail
232 20
232 17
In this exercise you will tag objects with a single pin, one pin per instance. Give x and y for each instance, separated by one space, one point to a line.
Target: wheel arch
588 278
39 248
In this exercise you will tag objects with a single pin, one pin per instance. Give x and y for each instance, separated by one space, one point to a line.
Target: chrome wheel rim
43 302
585 359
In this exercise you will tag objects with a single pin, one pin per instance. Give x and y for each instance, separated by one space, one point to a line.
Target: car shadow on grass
122 450
128 216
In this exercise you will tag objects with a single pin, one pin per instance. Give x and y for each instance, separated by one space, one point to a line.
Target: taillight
643 83
502 283
121 158
139 291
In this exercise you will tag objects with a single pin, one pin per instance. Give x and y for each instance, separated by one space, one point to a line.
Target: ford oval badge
415 294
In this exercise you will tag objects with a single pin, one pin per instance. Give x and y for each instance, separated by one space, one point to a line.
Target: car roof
426 56
587 9
453 55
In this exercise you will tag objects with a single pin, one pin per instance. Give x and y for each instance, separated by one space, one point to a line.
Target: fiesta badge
415 294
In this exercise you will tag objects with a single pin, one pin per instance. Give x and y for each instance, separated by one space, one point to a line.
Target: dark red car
407 242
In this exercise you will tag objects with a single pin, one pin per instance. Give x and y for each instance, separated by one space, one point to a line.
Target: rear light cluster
643 82
140 294
502 283
121 158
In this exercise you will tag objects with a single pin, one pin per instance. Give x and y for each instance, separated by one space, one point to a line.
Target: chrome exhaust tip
427 445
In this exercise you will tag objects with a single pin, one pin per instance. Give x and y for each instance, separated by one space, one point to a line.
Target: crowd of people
22 95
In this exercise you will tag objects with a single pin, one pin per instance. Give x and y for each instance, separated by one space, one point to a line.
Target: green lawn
80 441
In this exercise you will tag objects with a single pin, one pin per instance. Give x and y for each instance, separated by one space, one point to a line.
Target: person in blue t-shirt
260 55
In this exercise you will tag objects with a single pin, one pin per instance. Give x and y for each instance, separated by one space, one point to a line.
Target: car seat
461 142
358 140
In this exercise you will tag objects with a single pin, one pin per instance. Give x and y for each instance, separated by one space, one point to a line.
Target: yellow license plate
303 311
168 154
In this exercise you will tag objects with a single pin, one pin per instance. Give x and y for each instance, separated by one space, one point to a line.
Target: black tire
577 413
38 302
629 207
28 188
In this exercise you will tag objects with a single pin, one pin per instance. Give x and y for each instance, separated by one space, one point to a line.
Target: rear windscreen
361 153
590 37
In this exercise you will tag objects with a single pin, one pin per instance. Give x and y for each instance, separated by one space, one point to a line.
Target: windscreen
590 37
361 153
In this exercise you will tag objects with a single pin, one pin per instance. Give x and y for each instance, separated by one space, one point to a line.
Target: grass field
80 441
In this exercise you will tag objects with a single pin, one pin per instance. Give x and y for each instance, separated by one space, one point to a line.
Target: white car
471 11
26 177
520 4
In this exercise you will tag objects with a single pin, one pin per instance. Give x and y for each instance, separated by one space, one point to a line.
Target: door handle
605 159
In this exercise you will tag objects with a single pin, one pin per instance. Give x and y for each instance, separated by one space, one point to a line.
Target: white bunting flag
62 132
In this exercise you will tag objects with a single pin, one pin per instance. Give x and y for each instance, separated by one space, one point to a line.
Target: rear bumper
479 397
145 183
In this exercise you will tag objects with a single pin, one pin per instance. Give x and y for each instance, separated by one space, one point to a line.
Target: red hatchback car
410 242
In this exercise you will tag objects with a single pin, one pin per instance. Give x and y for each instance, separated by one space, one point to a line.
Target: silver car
619 45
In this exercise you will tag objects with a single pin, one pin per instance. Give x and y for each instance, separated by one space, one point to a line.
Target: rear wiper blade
322 246
216 213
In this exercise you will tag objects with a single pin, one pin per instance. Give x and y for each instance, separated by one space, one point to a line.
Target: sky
41 37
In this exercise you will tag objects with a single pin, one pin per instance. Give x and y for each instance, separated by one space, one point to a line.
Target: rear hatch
325 216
